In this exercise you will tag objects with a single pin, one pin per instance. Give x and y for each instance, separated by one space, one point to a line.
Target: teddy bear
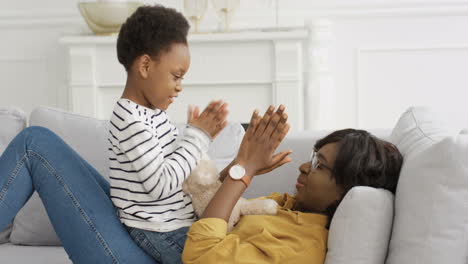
204 182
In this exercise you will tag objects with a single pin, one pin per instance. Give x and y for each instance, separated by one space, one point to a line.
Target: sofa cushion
10 253
12 121
85 135
360 229
5 234
88 136
431 212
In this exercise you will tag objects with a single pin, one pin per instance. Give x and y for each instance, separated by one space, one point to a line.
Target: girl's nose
179 88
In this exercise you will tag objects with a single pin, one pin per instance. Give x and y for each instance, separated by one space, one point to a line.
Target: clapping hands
212 120
260 141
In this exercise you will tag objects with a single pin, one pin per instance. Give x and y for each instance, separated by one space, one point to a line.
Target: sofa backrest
88 136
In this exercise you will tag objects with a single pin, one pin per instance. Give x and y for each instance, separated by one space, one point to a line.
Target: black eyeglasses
315 163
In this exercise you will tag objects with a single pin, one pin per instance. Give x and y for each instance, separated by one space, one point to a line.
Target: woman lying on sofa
298 233
77 200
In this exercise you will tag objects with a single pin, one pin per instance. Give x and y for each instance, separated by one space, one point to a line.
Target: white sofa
362 237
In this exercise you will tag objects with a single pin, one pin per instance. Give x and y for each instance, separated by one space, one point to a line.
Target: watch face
237 172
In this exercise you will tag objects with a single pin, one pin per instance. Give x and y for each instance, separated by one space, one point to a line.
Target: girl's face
316 188
164 76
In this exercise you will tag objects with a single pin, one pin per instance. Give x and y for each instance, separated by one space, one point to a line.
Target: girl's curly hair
150 30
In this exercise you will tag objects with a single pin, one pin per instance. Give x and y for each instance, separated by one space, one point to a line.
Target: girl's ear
143 65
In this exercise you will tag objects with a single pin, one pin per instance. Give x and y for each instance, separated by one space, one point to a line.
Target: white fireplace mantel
249 70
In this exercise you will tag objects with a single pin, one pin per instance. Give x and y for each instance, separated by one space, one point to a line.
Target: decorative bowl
106 17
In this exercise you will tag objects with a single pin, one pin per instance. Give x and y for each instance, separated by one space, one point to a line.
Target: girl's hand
261 140
212 120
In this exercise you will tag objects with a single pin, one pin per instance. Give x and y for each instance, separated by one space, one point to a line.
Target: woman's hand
256 155
279 159
261 139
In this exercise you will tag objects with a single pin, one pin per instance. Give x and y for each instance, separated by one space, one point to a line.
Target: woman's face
316 188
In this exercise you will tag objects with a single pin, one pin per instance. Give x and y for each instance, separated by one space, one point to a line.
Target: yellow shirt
288 237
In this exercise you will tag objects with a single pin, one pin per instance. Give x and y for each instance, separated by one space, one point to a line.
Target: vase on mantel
105 17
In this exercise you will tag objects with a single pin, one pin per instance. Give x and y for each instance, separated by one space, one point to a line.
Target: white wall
382 66
32 63
385 55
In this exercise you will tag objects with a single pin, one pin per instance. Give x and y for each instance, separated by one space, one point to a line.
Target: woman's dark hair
150 30
362 160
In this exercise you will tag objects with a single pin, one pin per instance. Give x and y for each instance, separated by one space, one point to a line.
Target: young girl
147 164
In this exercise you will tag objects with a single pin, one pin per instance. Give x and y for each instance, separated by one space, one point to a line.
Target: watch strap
246 180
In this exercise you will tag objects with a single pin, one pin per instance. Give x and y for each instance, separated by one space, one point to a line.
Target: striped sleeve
142 148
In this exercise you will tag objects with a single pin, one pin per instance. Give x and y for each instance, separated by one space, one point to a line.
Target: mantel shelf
253 35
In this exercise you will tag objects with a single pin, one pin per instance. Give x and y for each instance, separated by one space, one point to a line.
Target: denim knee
37 134
36 131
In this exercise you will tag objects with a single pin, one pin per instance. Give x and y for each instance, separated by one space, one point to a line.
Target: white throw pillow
431 202
360 229
12 121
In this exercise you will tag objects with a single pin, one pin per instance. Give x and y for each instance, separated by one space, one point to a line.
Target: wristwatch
237 172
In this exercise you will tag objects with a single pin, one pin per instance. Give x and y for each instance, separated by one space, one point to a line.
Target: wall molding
188 83
387 49
411 48
23 59
49 18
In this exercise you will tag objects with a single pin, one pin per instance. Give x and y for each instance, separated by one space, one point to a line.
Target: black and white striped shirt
148 164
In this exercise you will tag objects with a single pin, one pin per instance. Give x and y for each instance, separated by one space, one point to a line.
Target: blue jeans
75 196
164 247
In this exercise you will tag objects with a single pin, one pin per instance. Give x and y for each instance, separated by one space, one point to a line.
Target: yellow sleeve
208 243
